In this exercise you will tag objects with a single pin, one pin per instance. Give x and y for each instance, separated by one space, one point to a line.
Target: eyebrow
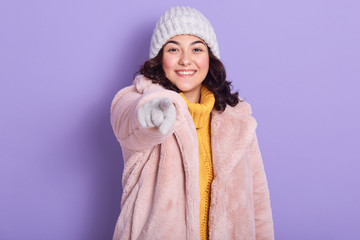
177 43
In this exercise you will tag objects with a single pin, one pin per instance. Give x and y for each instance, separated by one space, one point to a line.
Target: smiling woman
193 169
186 63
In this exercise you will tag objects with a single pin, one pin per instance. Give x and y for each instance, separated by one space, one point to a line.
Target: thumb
169 116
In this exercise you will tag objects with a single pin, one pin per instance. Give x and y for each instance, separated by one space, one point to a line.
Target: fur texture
161 172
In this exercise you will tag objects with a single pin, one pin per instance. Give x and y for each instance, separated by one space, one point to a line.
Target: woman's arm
129 106
263 216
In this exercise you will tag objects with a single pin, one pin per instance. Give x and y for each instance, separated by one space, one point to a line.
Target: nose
184 59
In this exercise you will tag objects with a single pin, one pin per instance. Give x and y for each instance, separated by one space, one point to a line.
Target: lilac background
61 62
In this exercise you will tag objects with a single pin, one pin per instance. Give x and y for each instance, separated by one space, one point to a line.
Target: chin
185 88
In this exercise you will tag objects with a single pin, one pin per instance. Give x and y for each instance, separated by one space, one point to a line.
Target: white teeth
185 72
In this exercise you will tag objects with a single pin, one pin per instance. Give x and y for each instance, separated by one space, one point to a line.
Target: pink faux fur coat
161 197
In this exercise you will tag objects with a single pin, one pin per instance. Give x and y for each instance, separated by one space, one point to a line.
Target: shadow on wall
108 164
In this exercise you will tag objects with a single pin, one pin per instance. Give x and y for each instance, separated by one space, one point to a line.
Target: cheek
203 63
167 64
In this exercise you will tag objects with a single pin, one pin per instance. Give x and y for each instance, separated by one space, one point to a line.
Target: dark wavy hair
215 80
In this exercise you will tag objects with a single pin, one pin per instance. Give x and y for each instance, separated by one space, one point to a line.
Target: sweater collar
200 112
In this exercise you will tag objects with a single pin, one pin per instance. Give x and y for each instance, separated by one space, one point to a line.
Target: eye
197 50
172 50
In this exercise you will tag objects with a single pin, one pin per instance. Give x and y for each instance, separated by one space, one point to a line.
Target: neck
193 96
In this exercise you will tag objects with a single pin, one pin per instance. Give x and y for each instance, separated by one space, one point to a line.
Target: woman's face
186 64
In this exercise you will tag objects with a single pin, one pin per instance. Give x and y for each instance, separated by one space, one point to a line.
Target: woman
192 165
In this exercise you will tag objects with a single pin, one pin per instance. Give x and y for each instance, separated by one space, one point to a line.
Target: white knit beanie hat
183 20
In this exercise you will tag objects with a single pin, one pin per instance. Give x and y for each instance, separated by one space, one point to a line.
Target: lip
185 72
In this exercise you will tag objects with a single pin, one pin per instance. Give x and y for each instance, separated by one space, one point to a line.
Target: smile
185 73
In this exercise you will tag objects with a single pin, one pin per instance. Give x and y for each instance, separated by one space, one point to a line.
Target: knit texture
183 20
200 113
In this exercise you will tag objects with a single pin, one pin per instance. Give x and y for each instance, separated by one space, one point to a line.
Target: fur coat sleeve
160 197
262 209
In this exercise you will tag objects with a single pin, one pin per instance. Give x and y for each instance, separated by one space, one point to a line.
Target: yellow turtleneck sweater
200 113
